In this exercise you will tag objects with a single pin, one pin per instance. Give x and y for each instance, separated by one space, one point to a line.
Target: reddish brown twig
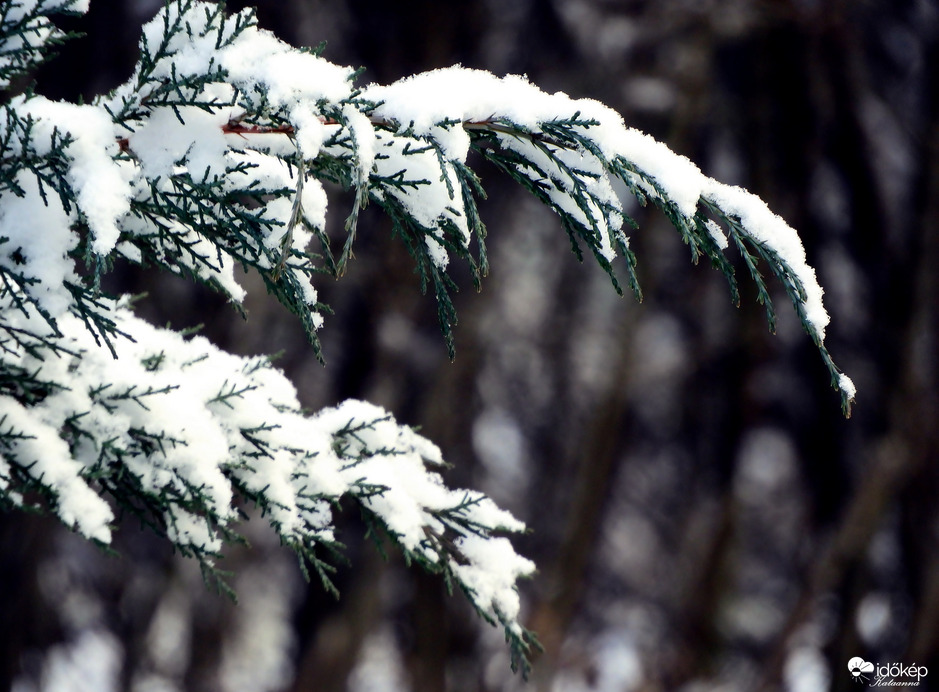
234 127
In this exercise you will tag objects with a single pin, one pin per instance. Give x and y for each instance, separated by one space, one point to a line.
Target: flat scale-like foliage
214 154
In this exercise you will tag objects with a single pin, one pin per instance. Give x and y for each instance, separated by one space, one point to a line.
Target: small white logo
886 674
860 668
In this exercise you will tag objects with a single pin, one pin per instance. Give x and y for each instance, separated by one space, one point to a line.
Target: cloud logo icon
860 668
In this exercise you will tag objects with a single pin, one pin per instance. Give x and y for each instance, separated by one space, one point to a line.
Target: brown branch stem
234 127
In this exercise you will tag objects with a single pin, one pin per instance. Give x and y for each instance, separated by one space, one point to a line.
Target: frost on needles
214 154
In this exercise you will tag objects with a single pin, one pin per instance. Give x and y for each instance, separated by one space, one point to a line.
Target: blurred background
703 517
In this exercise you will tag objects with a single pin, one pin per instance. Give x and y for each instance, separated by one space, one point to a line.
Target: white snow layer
430 103
185 418
206 414
100 183
439 106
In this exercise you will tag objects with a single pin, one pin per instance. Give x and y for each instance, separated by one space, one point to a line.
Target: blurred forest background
702 515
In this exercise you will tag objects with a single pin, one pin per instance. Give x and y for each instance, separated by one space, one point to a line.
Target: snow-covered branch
180 434
215 153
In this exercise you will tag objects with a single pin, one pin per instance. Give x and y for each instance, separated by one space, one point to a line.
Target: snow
423 101
309 131
362 132
256 72
846 385
199 400
195 426
5 471
425 104
100 185
771 230
46 458
427 188
717 234
258 57
456 93
186 133
491 570
45 255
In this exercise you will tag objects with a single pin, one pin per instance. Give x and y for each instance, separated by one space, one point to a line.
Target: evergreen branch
212 161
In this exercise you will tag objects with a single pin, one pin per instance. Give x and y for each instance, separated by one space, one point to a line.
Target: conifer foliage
214 154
